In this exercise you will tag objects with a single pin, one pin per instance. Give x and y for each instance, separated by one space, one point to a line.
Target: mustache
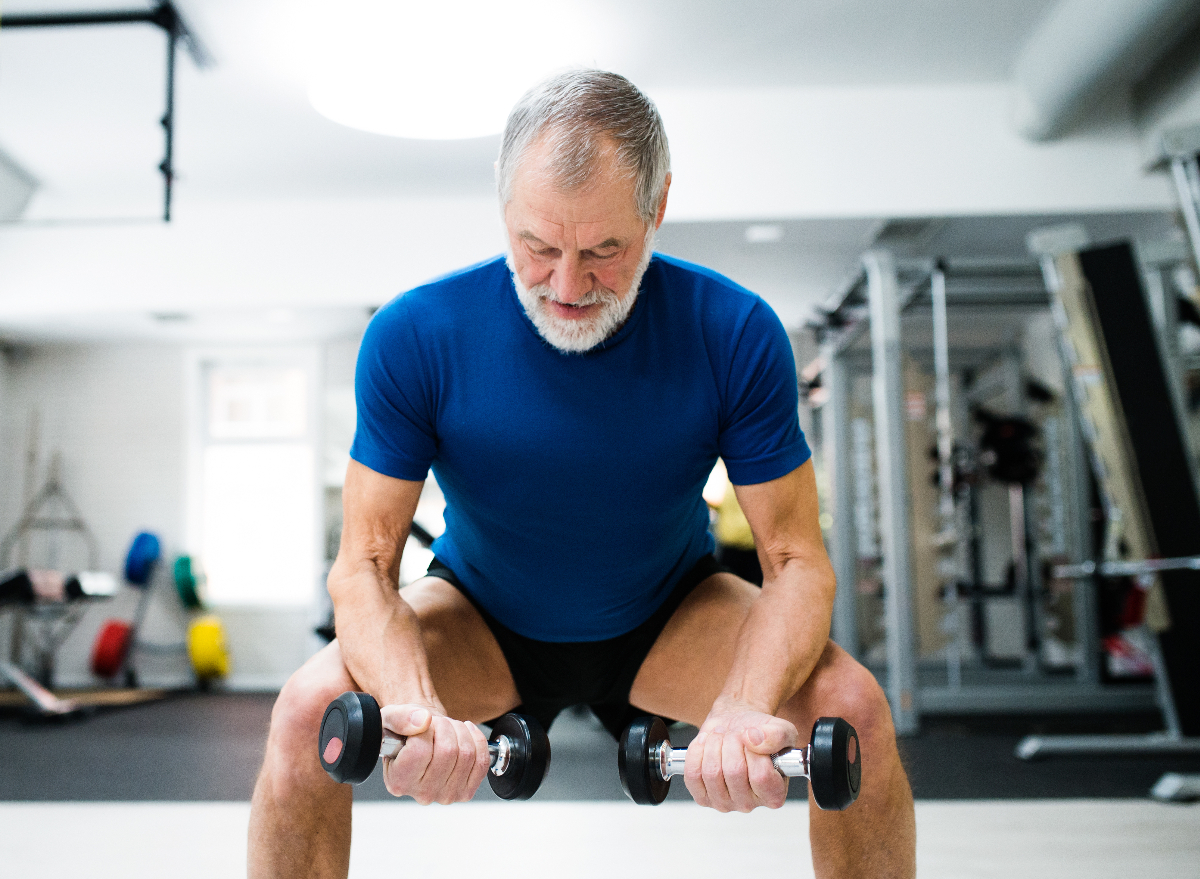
597 296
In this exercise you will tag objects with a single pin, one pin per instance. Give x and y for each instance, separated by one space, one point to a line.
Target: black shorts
551 676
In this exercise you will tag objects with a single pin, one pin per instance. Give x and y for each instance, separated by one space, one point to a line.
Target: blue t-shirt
573 481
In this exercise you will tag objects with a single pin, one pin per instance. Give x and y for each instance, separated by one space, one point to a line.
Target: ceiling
79 107
79 110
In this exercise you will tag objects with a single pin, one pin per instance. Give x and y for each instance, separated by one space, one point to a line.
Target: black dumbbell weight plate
529 760
351 735
835 772
641 780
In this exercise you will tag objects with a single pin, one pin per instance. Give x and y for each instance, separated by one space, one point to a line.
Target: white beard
576 336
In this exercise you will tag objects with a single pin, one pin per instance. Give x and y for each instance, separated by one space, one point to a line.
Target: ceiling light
437 70
764 233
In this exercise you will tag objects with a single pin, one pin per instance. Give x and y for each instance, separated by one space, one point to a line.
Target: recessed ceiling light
764 233
437 70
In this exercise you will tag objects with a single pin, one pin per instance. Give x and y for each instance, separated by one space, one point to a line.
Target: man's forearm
379 635
783 635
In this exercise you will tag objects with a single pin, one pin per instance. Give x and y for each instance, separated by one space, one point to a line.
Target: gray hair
573 113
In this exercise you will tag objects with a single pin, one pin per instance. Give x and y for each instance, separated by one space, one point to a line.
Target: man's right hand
442 761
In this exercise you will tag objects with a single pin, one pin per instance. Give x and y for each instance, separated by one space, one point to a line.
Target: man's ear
662 205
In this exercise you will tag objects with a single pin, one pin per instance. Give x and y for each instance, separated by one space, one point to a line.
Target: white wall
890 151
738 154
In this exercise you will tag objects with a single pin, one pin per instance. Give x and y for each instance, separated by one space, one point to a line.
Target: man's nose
571 281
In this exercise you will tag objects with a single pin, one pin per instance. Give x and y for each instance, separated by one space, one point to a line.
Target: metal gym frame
873 303
1180 152
163 16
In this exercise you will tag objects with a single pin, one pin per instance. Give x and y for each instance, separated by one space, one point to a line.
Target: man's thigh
686 668
468 669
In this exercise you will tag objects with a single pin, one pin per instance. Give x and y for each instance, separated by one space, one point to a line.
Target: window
255 522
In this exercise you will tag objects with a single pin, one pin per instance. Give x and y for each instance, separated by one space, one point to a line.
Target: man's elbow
812 569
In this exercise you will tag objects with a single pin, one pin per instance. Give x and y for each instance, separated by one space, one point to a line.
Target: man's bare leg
299 816
685 671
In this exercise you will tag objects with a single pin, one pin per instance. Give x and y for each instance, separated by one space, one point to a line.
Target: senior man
571 401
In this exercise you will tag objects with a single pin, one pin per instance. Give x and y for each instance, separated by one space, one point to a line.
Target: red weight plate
112 643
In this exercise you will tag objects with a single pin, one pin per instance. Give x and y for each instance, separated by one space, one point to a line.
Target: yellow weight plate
206 648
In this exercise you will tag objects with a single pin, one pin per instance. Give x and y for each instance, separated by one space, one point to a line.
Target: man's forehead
539 203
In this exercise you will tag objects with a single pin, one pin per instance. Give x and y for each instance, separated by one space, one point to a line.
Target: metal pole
164 16
1078 444
835 422
888 397
168 120
1187 181
947 532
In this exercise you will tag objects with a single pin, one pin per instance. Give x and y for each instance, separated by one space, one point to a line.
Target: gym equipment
1125 568
188 582
832 762
142 558
16 588
206 648
1175 787
352 738
116 639
111 648
40 628
46 704
1145 477
164 16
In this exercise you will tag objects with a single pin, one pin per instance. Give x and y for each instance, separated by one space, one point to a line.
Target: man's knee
841 687
296 717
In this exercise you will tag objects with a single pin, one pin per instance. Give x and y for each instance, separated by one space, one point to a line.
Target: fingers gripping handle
352 740
499 751
792 762
832 762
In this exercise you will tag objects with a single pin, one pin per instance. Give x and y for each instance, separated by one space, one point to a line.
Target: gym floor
145 783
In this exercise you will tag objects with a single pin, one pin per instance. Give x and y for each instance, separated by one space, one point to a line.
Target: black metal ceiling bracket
163 16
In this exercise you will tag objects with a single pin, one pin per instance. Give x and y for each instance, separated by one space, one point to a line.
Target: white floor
956 840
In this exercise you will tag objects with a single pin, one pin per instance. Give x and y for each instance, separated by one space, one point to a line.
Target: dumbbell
352 739
831 762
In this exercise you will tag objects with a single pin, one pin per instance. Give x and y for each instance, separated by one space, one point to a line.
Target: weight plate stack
836 769
350 738
530 757
640 779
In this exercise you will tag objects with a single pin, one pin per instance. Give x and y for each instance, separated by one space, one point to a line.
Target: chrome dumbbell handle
792 762
499 751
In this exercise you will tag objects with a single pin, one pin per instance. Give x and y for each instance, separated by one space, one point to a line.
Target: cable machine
860 333
163 16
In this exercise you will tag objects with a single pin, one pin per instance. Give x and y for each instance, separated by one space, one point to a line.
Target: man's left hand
728 764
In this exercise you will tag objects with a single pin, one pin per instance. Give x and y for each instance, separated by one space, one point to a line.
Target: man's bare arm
788 627
777 648
377 630
443 760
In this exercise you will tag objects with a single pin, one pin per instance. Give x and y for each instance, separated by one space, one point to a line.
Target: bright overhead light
764 233
437 70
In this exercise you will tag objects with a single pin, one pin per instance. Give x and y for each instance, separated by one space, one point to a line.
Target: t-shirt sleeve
395 433
760 436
